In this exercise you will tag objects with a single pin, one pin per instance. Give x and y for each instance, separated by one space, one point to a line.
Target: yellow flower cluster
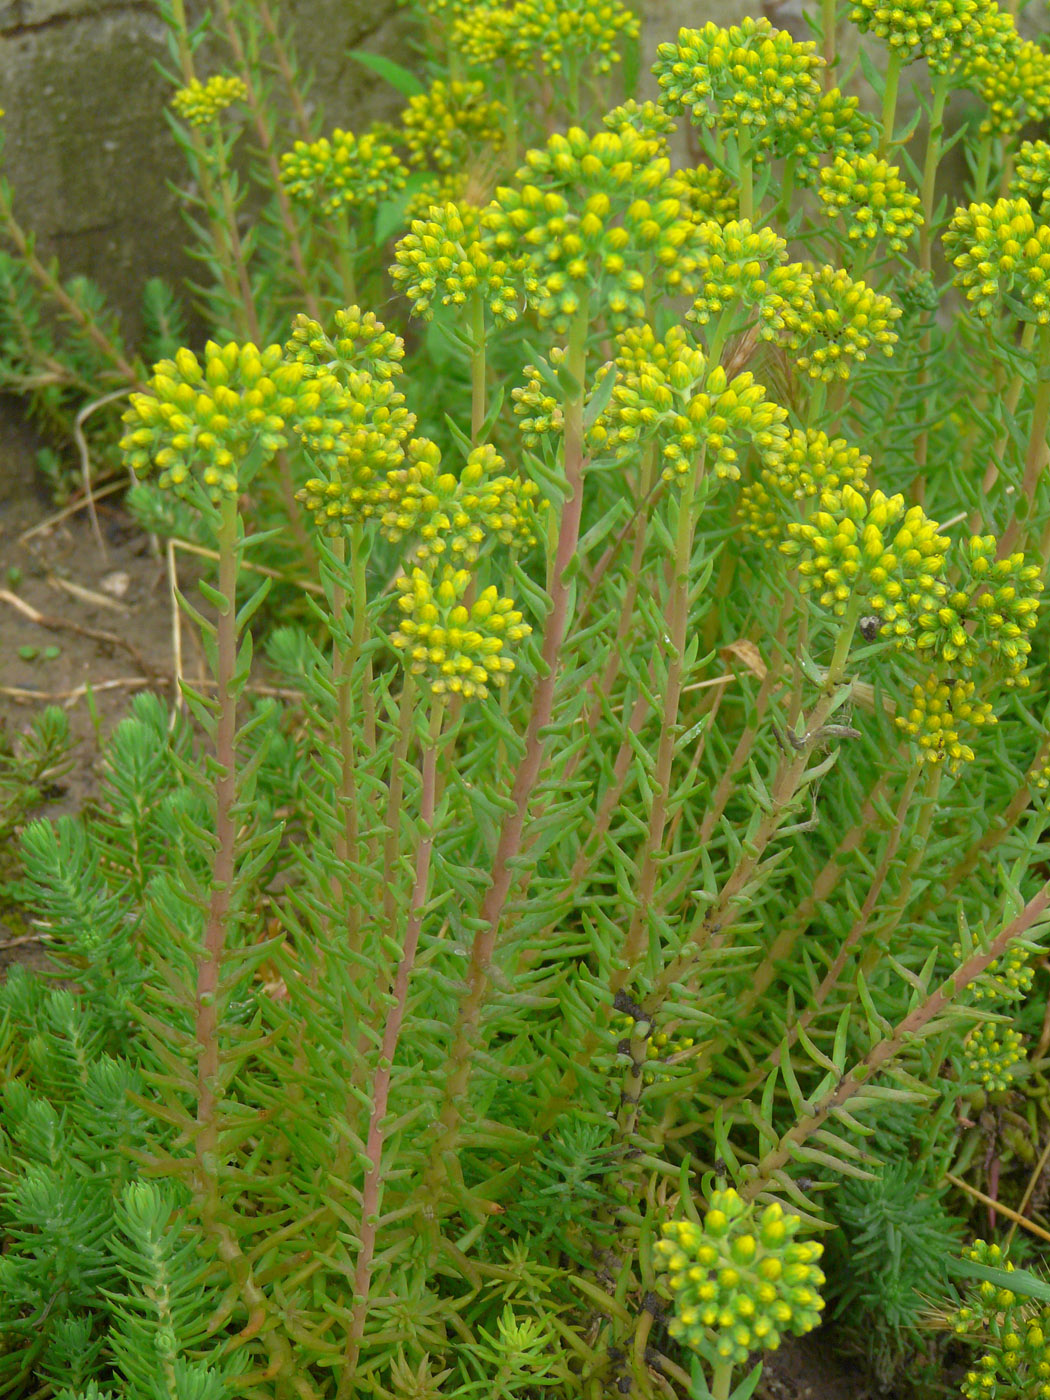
1008 978
872 543
359 342
988 614
741 1280
538 408
874 199
991 1053
205 418
1017 1359
355 432
1015 87
659 1047
941 31
939 709
833 126
707 192
200 103
649 119
737 265
999 250
1039 775
669 394
835 322
810 465
342 172
460 649
1031 179
453 514
448 125
545 34
595 212
448 258
743 79
559 31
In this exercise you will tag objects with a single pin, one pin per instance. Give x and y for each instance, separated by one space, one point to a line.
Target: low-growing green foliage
656 496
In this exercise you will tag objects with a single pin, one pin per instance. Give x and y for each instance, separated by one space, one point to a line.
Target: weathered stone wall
88 152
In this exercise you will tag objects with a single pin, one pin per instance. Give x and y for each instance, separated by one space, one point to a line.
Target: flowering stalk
478 392
528 773
885 1051
677 623
371 1194
1036 452
264 134
889 101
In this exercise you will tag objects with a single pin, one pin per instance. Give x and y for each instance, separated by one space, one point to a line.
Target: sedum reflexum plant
659 553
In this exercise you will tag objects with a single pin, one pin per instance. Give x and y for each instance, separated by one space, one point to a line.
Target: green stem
210 963
745 175
478 395
1036 453
371 1192
984 161
722 1381
889 102
934 144
829 20
535 750
346 253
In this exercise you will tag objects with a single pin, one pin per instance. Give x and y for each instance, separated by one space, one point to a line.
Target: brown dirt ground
107 608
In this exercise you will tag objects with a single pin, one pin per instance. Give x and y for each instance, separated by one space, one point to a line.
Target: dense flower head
460 649
707 191
448 258
809 466
872 197
1015 87
1039 774
358 341
833 322
741 266
740 80
1000 250
991 1054
987 615
1017 1361
356 421
938 710
544 34
941 31
456 515
563 31
834 126
660 1047
872 543
594 211
669 394
538 408
649 119
200 103
740 1280
1007 978
450 122
1031 178
489 36
205 418
342 172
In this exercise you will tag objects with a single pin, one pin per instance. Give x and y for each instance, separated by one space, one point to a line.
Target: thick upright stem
677 623
510 841
889 102
1037 452
478 394
829 36
372 1189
